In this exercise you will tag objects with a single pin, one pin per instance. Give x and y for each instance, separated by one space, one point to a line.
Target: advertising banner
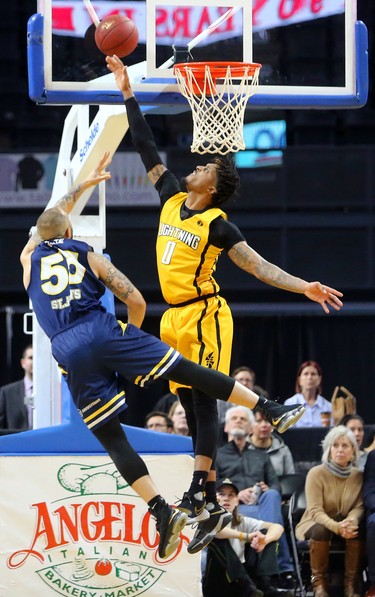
70 525
26 180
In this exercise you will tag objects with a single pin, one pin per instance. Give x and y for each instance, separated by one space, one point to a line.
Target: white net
218 95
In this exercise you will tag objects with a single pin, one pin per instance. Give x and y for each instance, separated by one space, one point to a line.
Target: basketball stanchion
217 93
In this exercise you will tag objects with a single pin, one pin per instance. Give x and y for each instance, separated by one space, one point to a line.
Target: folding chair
300 549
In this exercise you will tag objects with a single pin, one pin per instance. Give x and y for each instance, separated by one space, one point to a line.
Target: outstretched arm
66 203
142 136
249 260
97 175
120 285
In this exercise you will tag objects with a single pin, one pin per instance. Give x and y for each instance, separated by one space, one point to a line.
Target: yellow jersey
186 261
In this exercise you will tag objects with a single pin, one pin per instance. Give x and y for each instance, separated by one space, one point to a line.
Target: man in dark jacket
16 398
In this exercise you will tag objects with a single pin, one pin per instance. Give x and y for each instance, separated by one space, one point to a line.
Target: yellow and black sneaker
280 416
206 530
169 524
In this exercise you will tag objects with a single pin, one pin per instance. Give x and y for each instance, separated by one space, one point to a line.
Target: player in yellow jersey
193 232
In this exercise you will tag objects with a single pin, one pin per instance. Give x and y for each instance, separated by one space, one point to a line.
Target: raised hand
99 173
117 67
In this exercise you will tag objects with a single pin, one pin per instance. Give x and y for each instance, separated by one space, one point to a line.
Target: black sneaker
206 531
169 524
282 417
194 506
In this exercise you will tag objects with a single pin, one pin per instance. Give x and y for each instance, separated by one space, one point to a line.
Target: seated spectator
308 388
16 409
157 420
246 377
242 559
369 441
265 438
356 424
369 501
178 417
165 402
334 511
252 472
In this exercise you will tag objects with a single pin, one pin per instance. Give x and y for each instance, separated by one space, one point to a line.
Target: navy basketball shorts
92 352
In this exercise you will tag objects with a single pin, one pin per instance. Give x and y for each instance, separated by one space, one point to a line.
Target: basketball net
217 94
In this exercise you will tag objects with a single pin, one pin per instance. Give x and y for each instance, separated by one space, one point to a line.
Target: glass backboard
314 54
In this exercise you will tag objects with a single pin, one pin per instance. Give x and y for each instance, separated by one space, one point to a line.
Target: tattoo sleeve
70 199
156 173
115 280
253 263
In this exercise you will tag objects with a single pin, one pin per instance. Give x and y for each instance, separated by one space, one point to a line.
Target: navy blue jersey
63 287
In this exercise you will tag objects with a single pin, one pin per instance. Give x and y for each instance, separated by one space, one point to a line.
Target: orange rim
218 69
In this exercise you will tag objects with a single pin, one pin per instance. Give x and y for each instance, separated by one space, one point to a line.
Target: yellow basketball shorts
201 332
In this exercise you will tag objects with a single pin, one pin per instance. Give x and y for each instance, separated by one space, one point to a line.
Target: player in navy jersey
193 231
65 280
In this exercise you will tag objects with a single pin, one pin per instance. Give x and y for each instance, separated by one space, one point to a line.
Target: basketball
116 34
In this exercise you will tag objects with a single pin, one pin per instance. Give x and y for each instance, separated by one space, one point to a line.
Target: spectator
356 424
159 421
16 410
246 377
308 388
165 402
334 510
369 501
263 438
369 441
252 472
241 559
178 417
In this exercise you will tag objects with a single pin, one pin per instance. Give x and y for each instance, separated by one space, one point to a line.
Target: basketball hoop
217 93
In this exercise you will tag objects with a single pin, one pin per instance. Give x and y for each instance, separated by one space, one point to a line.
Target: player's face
203 178
227 497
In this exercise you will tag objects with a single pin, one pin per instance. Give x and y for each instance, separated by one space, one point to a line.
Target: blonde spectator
334 511
177 414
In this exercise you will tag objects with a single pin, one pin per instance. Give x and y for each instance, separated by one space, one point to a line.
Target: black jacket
13 412
245 468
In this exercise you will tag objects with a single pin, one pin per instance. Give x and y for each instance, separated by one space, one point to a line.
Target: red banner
184 22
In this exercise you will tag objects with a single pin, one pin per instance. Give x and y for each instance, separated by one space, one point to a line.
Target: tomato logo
103 567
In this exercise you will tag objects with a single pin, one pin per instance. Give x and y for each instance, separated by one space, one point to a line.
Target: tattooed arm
121 287
253 263
97 175
66 204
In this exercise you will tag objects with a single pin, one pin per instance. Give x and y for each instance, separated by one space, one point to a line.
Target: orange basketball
116 34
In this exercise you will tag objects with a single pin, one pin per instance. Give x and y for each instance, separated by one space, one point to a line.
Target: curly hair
228 181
